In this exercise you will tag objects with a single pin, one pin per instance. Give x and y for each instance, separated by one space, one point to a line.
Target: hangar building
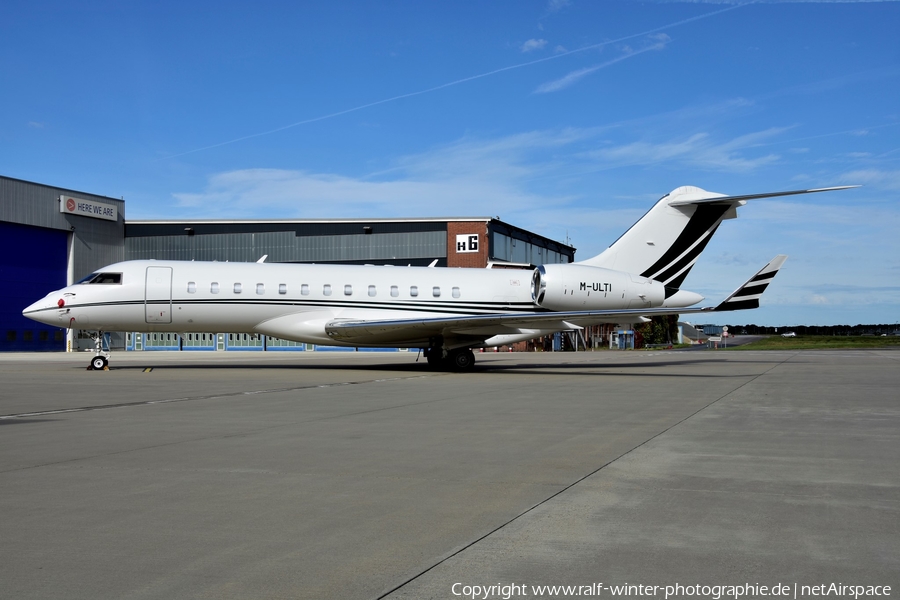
49 237
52 237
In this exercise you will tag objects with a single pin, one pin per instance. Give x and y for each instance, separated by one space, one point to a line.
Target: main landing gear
100 361
460 359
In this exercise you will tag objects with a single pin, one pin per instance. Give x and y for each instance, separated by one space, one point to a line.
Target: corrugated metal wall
286 246
97 242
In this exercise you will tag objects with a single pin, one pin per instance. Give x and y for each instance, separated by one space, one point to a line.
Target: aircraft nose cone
43 311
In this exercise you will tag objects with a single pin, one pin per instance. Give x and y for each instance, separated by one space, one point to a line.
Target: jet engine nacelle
580 287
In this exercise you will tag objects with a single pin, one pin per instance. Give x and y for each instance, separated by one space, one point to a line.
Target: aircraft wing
414 331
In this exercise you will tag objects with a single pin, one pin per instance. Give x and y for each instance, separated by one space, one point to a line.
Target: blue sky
569 118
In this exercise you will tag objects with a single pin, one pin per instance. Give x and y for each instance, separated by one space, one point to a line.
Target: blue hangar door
32 264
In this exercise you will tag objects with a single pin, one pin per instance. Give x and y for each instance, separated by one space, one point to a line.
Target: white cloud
697 151
557 5
470 177
660 42
885 180
564 82
532 44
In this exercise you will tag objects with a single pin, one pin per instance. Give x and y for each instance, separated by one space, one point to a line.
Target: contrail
458 81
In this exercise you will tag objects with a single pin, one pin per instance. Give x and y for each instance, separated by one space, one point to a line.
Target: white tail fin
666 242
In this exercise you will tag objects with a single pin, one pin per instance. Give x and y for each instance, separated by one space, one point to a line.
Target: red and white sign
88 208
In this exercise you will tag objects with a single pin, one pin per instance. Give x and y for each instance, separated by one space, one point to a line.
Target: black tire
462 360
98 363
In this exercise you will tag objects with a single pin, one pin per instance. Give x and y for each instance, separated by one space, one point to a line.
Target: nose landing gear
100 361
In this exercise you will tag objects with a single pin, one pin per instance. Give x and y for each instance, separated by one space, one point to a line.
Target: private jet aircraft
444 311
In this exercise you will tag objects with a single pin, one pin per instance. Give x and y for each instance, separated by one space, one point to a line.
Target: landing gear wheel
461 360
98 363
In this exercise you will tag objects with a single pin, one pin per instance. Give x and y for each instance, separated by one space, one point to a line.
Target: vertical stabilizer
666 242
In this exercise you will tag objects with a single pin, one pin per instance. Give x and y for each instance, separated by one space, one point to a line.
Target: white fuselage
296 301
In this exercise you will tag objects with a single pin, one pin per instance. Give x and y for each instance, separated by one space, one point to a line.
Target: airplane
446 312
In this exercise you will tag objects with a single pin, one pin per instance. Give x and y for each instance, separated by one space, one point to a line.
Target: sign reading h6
467 242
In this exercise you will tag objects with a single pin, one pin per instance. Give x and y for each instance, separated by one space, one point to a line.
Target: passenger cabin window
413 291
192 287
456 292
102 278
282 288
326 289
348 290
372 291
395 291
436 292
237 288
304 289
260 288
214 287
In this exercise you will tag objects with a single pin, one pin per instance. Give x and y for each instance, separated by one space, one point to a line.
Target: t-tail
666 242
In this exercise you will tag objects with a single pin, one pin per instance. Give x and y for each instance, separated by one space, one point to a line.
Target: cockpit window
103 278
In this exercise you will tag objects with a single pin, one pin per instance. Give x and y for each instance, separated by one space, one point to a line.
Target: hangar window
260 288
413 291
456 292
348 290
282 288
304 289
214 287
436 292
192 287
372 291
237 288
326 289
395 291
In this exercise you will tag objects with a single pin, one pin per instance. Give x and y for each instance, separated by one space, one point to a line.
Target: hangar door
32 264
158 295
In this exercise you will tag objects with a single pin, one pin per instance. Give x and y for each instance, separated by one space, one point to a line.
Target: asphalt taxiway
365 475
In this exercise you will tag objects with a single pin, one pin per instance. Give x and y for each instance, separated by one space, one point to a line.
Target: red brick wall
477 259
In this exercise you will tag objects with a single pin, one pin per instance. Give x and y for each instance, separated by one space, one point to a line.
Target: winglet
747 296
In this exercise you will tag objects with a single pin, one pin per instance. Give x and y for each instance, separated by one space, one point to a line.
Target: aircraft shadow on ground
24 421
483 367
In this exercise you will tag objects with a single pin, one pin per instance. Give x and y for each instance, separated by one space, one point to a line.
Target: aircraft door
158 295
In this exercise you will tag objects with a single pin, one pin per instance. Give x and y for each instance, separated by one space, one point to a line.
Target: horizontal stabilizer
747 296
730 199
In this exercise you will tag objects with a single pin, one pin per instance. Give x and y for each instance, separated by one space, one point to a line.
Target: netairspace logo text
716 592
